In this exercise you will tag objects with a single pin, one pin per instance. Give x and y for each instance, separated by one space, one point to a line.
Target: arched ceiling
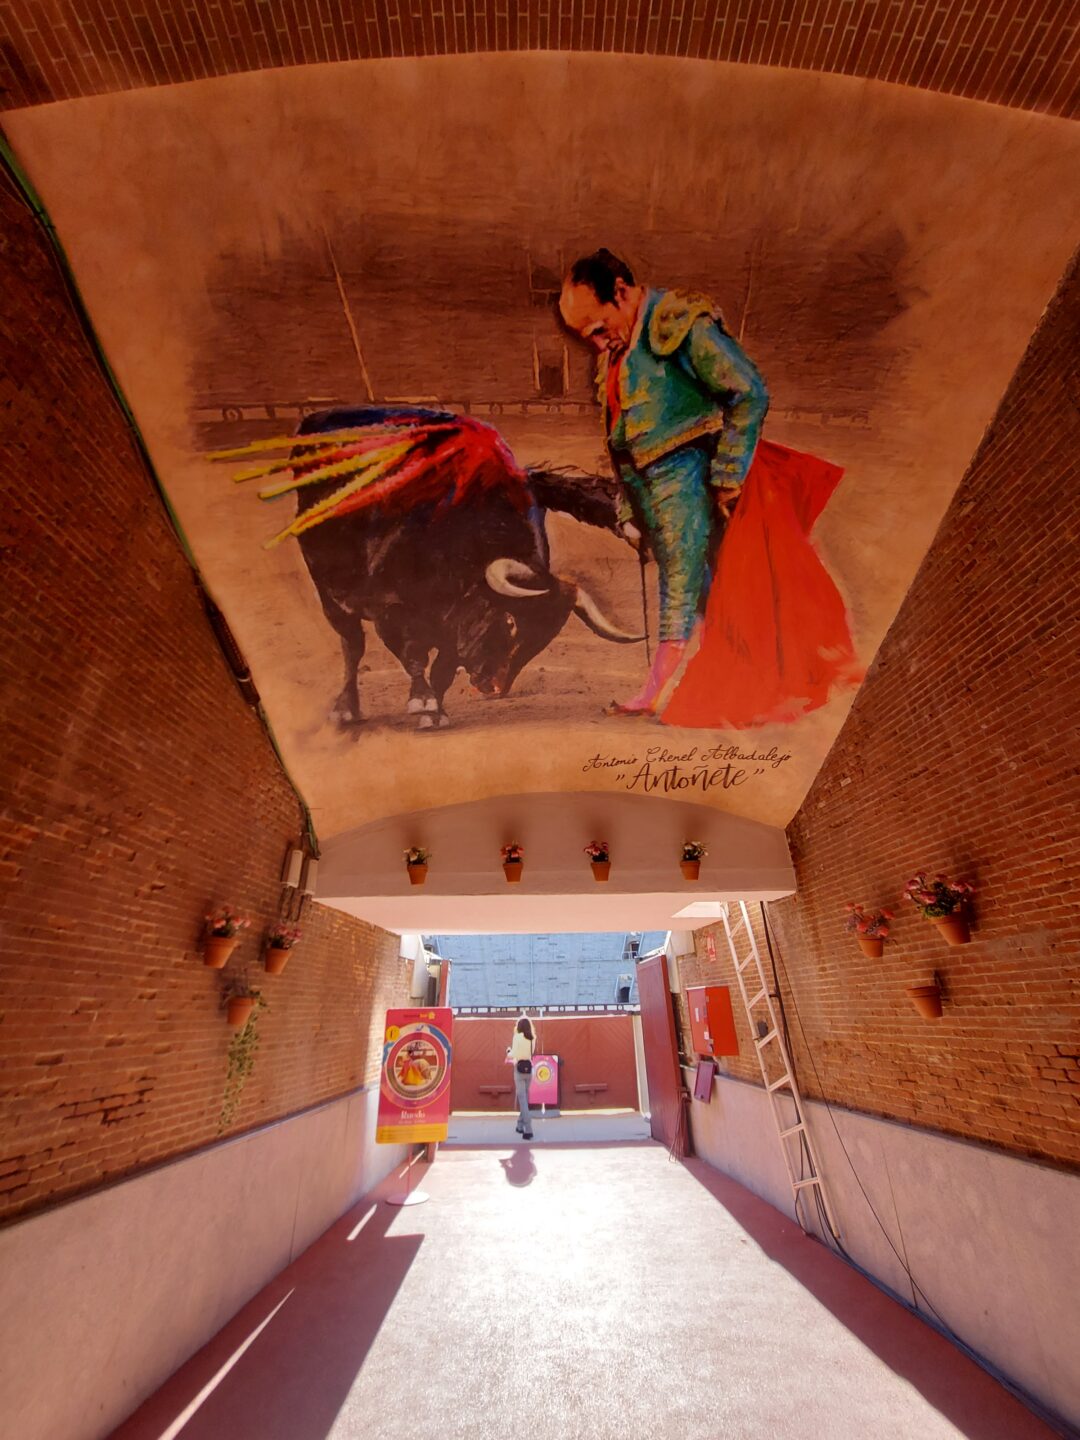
259 246
1008 53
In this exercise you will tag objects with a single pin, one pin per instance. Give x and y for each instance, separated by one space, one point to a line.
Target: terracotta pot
217 949
873 946
276 958
954 928
512 870
601 869
240 1008
691 869
417 874
926 999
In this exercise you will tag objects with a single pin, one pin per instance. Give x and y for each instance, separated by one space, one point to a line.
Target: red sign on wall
414 1090
712 1021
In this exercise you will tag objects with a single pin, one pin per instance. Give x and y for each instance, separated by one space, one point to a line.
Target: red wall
592 1050
138 787
961 755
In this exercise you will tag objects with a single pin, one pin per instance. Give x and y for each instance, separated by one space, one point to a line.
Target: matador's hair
599 271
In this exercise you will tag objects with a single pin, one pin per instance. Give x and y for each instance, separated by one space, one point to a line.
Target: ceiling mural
549 423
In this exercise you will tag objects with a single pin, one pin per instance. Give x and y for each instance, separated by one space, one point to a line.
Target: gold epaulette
672 317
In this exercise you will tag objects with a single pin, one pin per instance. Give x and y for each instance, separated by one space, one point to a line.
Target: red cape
775 637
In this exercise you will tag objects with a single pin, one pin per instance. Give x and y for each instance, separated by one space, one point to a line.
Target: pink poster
414 1091
544 1089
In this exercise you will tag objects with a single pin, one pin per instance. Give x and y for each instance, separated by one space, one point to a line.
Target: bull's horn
502 574
586 608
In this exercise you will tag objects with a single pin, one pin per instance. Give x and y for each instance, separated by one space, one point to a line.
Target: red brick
124 820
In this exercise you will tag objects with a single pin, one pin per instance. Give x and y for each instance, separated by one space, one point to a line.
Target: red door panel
661 1049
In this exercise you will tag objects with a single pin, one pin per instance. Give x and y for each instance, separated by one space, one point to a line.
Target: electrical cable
934 1319
24 191
915 1286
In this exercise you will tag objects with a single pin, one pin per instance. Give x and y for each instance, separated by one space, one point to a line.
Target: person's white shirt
521 1047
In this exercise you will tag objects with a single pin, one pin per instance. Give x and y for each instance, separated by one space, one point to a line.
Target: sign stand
410 1196
414 1088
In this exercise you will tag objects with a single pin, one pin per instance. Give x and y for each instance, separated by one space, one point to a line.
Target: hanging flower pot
240 1008
217 949
513 863
599 855
945 903
926 999
954 928
221 938
416 863
279 943
693 852
870 928
276 958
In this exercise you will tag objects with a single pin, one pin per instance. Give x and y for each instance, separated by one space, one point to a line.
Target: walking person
520 1051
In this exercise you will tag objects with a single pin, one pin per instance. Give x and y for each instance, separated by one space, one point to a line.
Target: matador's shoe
669 654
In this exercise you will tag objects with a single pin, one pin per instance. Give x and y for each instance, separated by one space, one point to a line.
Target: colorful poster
544 1089
414 1092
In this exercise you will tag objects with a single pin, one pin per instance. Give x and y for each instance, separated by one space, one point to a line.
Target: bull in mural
421 523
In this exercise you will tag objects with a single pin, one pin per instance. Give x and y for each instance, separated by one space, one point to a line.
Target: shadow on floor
520 1169
326 1310
979 1407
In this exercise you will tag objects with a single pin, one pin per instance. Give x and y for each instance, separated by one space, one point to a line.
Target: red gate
661 1048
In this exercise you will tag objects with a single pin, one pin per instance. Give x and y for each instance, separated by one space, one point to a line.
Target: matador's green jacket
684 378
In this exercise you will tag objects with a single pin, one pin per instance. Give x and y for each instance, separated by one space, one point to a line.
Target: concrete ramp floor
575 1293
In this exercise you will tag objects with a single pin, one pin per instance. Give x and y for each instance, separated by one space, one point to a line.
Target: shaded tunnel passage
575 1305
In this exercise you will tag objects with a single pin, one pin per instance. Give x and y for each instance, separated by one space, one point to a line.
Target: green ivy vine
243 1049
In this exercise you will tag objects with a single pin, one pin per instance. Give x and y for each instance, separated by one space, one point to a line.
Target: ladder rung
741 965
757 998
764 1039
784 1080
792 1130
802 1184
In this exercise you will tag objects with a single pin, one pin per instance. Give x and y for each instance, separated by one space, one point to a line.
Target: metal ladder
803 1169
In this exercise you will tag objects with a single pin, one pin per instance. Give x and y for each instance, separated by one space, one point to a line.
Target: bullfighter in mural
421 524
683 409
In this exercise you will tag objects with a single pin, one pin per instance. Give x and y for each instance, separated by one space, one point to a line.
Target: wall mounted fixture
311 875
293 868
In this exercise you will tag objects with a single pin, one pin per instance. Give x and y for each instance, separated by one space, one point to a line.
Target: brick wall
138 786
1014 52
961 755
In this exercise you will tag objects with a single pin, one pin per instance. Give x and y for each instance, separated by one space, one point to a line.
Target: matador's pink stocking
666 661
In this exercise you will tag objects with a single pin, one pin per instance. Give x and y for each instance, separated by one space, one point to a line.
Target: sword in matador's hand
632 535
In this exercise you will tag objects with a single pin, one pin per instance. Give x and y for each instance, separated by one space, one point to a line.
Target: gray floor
575 1292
